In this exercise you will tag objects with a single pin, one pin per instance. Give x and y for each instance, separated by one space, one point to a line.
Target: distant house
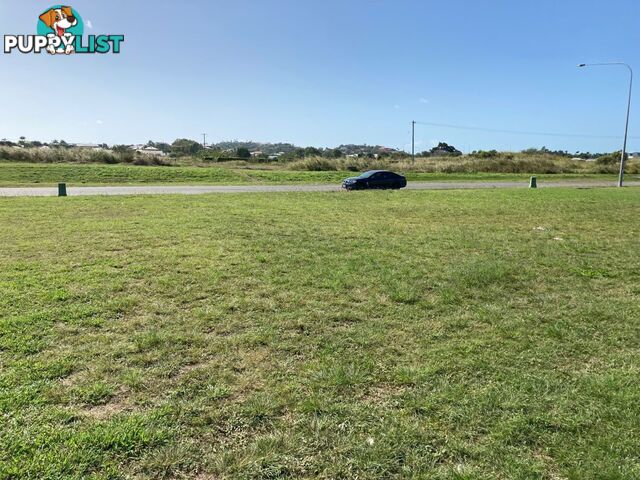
151 151
634 155
87 146
257 153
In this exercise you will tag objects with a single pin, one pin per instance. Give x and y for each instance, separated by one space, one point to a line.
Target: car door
377 180
386 180
393 180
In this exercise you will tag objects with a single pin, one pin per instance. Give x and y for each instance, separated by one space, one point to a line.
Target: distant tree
312 152
446 149
121 148
588 155
332 153
185 147
546 151
243 152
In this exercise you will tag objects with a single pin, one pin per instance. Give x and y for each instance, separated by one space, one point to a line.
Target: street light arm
609 63
626 128
604 63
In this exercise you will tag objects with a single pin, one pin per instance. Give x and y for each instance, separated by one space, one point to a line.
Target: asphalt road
200 189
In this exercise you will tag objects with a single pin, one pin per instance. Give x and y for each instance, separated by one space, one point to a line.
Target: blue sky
329 72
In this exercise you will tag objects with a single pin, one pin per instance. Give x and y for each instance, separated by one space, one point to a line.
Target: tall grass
318 164
75 155
484 162
500 163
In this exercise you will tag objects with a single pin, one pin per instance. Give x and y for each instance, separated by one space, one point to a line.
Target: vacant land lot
474 334
28 174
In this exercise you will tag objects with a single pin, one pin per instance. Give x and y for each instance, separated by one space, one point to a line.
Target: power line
517 132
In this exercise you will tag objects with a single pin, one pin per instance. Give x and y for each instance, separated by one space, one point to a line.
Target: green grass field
442 335
30 174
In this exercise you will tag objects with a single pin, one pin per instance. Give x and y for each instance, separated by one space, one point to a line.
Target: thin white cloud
88 24
397 107
99 122
424 100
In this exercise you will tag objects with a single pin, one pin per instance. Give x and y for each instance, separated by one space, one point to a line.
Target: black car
375 179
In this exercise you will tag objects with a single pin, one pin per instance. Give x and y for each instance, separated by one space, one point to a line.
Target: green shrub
58 155
610 159
363 164
485 154
315 164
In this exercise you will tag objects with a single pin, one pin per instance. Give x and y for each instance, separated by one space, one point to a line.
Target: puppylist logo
60 31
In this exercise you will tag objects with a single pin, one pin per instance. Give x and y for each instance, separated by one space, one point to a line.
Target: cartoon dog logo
59 20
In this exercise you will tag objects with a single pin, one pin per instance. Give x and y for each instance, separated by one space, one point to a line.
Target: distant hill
274 148
192 146
365 149
266 148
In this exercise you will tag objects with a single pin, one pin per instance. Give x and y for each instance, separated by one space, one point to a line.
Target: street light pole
413 141
626 126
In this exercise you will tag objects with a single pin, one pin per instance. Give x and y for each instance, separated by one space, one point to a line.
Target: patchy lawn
466 335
